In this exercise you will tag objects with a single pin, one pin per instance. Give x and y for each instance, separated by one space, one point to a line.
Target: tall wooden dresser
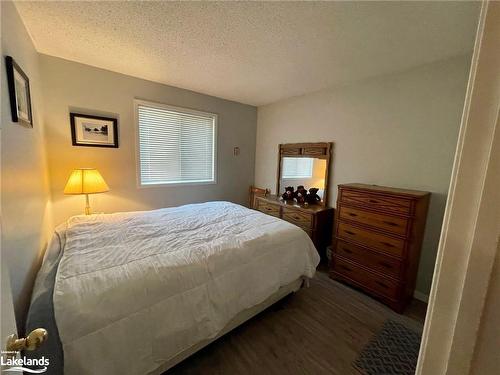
316 220
377 241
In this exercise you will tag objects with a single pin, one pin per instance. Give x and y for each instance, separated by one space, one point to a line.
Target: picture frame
93 131
19 93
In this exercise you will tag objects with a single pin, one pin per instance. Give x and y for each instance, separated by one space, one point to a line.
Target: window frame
139 184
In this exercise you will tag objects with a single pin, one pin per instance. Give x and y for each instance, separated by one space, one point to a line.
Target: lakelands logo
10 363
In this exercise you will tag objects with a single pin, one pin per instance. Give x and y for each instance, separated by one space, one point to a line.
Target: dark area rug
394 350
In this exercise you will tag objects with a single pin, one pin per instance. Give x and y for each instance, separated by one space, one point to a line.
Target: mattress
131 291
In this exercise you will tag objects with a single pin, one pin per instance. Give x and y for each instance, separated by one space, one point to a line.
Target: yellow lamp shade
85 181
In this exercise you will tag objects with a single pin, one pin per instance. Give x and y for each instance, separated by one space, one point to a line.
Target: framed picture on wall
19 93
93 131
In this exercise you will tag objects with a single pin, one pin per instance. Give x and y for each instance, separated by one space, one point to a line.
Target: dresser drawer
297 217
372 260
268 208
376 202
394 224
373 240
374 282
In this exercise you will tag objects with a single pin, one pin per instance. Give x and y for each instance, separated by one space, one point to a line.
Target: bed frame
239 319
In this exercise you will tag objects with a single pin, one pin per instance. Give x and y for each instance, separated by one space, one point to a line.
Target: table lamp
85 181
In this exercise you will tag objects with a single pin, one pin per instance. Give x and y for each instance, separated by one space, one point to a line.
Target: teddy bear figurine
288 194
313 196
300 194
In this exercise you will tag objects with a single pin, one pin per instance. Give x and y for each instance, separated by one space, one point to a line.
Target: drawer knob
352 214
296 217
346 250
384 264
351 233
345 268
372 201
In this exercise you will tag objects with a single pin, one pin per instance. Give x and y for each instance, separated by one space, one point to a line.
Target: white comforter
134 289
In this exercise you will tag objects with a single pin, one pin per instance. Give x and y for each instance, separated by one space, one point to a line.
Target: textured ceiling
252 52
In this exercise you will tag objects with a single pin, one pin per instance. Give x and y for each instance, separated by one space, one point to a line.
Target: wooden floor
318 330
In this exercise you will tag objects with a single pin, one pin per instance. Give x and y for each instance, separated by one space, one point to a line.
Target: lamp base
87 205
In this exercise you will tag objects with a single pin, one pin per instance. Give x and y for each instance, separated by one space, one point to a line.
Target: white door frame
471 226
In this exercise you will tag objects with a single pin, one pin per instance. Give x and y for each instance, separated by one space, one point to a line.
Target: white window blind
297 167
175 145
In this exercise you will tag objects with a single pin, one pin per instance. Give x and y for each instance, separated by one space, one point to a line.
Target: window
297 167
176 145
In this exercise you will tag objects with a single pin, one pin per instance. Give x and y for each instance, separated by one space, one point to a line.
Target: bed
137 292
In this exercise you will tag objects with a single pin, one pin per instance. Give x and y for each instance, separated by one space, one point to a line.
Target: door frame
470 232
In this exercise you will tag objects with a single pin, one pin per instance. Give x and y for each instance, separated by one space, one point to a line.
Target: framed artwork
19 93
93 131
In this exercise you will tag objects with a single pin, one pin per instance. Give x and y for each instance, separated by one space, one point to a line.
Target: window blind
175 145
297 167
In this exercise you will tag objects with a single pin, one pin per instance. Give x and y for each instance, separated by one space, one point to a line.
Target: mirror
307 165
308 172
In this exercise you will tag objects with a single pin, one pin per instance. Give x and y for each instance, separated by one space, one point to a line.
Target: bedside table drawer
365 278
297 217
268 208
374 240
373 260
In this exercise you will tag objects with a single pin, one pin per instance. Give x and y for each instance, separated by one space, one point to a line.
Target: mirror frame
319 150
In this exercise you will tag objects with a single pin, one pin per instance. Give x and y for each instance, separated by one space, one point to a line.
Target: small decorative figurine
313 196
288 194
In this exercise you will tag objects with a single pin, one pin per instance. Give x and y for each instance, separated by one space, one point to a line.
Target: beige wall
82 88
398 130
25 194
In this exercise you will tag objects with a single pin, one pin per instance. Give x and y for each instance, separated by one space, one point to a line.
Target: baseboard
421 296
